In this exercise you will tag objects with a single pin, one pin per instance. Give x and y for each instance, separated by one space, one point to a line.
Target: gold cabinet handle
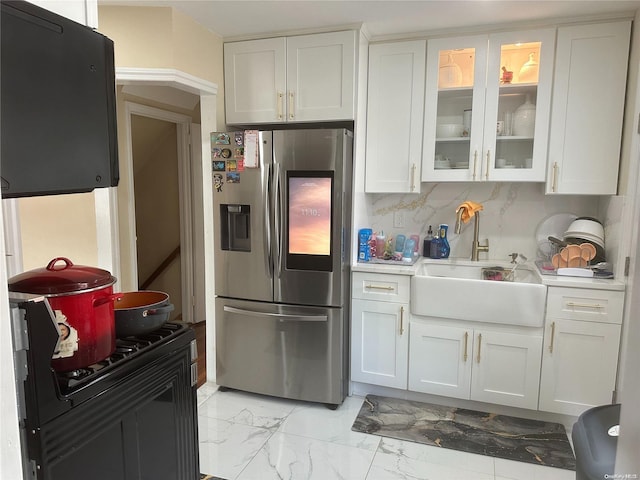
486 173
475 163
554 178
466 341
377 287
479 346
279 101
291 105
585 305
553 335
401 320
413 176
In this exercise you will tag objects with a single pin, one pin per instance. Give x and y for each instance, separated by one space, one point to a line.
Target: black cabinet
57 102
142 428
131 416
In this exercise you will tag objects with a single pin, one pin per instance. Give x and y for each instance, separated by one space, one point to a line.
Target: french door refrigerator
282 210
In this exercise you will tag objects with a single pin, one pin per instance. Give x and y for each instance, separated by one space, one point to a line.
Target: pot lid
60 276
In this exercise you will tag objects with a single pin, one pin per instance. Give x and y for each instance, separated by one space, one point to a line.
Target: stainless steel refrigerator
282 214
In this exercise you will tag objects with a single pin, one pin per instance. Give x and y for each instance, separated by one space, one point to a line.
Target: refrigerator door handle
281 316
267 223
279 218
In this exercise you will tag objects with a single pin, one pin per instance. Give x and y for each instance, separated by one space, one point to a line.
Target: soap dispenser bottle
426 245
445 249
434 251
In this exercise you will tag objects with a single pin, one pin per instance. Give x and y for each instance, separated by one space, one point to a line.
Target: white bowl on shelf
448 130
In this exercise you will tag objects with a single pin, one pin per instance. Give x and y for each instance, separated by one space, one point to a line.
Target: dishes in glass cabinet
450 74
449 130
441 161
529 71
524 119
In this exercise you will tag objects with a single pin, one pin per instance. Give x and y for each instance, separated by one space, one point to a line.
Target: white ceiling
247 18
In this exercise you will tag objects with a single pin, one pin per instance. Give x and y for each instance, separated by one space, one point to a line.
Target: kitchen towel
512 438
469 209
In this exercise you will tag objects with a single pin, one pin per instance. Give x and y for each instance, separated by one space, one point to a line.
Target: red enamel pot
81 299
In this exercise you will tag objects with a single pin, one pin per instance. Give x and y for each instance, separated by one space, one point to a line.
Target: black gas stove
126 349
131 416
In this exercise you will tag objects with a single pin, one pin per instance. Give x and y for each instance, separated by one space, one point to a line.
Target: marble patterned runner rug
512 438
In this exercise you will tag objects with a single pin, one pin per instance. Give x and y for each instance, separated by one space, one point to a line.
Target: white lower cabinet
568 369
440 359
485 364
379 329
580 356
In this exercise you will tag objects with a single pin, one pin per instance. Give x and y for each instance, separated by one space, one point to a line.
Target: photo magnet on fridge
219 166
222 139
218 181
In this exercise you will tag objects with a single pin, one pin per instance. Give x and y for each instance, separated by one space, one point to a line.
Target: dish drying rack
585 269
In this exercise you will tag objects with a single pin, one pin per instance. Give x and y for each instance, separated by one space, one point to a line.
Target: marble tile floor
244 436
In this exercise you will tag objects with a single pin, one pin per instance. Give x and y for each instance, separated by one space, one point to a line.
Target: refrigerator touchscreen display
309 220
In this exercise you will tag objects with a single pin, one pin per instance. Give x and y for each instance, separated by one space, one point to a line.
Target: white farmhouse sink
455 289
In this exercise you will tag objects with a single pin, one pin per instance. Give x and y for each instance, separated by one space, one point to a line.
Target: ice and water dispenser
235 226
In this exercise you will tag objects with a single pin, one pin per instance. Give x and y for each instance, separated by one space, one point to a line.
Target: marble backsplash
510 217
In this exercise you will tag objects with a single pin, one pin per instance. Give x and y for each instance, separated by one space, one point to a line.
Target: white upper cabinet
587 110
255 80
321 77
291 79
488 101
395 108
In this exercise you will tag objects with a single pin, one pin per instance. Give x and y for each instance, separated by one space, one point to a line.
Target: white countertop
549 280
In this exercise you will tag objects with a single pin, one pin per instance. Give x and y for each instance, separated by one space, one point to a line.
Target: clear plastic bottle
407 254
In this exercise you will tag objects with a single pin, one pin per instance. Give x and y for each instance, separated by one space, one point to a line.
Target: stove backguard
130 417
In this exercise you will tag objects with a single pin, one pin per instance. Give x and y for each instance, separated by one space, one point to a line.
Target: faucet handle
517 256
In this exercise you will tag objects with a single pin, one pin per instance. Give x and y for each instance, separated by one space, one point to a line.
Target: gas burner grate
126 348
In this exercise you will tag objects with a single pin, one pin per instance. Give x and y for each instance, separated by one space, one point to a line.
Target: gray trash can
595 438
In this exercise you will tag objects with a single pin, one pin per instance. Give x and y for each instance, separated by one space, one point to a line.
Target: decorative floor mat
204 476
512 438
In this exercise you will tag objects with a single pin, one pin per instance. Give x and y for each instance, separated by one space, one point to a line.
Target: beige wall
58 226
150 37
161 37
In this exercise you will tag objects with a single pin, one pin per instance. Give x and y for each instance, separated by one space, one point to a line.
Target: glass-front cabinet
488 101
